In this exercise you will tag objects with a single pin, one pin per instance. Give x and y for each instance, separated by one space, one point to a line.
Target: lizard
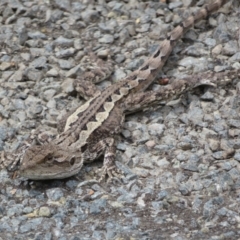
89 130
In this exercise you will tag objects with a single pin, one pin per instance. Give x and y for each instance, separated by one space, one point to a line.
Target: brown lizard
90 129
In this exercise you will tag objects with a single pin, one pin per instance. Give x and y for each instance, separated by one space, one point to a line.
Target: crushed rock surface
181 160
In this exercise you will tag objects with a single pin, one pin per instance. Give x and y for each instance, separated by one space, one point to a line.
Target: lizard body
90 129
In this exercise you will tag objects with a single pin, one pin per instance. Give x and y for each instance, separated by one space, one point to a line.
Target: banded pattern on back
91 128
95 111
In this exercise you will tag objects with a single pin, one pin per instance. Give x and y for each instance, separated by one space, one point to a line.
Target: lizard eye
72 161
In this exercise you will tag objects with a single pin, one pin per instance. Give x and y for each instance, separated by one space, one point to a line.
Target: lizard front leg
106 147
95 70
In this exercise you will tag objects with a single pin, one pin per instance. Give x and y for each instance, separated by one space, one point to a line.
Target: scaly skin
90 129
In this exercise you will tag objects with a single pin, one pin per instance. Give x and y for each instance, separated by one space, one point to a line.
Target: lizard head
48 161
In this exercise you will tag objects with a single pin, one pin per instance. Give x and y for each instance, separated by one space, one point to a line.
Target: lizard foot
112 172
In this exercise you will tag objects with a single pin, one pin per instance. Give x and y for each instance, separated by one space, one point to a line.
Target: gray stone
30 225
54 194
97 206
63 42
220 155
65 64
190 167
68 85
208 96
5 66
37 35
74 71
156 129
17 76
39 62
230 48
173 5
52 73
234 123
64 53
107 38
33 74
63 4
210 42
22 35
210 206
89 15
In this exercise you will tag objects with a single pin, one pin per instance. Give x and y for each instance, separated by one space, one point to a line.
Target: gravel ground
181 160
